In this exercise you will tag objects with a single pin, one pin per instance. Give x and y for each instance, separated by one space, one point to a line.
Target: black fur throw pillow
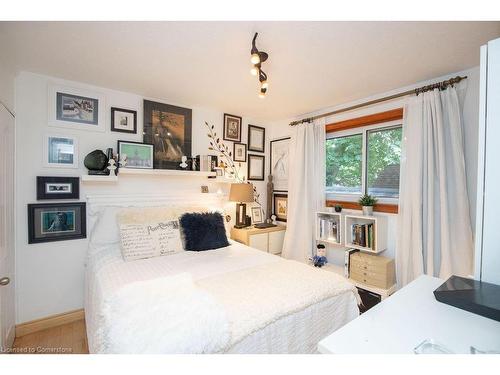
203 231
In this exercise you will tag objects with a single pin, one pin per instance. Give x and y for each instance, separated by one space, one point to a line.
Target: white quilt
251 302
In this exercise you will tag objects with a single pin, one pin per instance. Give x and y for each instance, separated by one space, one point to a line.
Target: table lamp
241 193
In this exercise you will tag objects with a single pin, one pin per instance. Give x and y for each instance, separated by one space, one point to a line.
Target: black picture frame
36 225
275 212
241 160
249 167
169 129
227 136
128 165
113 126
256 148
52 187
276 181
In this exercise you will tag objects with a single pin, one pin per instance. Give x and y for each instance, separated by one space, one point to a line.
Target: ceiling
311 65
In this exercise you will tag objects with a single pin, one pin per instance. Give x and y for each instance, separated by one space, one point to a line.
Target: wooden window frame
358 122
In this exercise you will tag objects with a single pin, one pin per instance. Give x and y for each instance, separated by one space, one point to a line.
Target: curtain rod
439 85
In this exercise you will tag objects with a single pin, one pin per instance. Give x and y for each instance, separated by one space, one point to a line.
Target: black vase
96 161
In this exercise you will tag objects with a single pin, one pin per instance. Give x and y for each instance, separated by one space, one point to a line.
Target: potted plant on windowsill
367 202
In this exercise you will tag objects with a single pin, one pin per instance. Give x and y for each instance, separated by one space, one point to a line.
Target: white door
7 306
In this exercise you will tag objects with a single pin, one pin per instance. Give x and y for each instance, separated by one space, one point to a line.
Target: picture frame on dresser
280 206
48 222
255 167
123 120
57 187
76 108
256 138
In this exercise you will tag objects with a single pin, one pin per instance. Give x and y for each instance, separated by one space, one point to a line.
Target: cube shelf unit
328 236
379 232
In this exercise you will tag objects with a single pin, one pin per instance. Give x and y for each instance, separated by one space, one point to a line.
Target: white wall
469 95
50 275
7 87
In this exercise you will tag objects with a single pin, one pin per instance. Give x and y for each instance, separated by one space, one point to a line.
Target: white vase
368 210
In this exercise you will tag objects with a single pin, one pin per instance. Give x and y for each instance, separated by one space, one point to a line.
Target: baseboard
49 322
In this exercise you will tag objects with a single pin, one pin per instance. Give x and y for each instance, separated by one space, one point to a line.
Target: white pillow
140 241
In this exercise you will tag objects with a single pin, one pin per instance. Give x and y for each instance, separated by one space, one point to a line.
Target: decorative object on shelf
75 108
338 208
169 128
257 217
281 206
367 201
269 196
138 155
273 219
96 162
240 152
241 193
257 58
204 189
256 138
123 120
255 167
328 227
183 164
60 151
56 222
112 167
319 260
232 128
122 160
219 172
280 149
57 187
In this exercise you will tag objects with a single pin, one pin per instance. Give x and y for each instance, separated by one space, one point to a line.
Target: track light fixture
257 58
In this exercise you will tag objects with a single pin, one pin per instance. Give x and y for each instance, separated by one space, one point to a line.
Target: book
347 257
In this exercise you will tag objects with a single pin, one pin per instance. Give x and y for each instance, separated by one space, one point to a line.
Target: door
7 302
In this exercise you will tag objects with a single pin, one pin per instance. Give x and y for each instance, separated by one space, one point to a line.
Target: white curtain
434 229
306 188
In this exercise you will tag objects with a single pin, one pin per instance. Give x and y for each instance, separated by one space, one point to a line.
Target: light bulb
255 59
264 85
262 95
254 71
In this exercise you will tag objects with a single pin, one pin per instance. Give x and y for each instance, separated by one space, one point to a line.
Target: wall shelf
329 228
379 232
165 172
96 178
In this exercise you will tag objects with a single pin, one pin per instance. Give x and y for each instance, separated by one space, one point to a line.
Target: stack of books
328 230
363 235
206 163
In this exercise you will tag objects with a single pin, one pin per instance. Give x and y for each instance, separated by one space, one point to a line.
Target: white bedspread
271 305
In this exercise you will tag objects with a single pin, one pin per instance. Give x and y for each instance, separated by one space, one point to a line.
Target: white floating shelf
224 180
165 172
333 238
96 178
379 230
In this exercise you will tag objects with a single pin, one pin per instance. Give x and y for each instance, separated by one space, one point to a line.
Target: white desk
412 315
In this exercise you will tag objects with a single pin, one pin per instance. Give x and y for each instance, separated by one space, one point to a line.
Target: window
364 160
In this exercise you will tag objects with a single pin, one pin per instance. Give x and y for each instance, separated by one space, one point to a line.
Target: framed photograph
232 128
255 167
57 187
219 172
169 128
60 151
257 217
280 206
123 120
138 155
279 163
256 138
75 108
240 152
56 222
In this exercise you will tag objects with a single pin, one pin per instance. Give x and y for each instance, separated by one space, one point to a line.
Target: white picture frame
65 157
279 163
257 215
91 117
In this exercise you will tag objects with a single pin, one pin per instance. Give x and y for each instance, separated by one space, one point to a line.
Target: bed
234 299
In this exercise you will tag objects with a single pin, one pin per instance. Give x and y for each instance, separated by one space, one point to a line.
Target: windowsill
390 208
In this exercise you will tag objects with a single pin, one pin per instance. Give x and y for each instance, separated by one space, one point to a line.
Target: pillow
145 215
140 241
203 231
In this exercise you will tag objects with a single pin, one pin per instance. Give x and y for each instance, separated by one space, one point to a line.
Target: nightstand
269 240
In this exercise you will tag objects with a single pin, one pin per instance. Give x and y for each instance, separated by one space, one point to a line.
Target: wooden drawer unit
372 270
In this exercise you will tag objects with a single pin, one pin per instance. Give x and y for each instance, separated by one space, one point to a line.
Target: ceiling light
264 85
254 71
262 93
257 58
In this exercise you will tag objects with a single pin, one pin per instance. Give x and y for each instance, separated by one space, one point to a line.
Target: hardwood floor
70 338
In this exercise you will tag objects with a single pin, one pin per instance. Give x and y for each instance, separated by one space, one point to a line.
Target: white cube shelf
378 234
329 227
